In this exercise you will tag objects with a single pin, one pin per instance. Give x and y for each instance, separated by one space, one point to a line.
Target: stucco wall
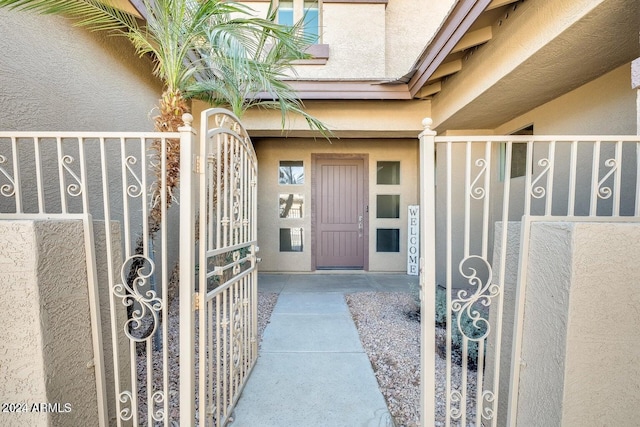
57 77
579 363
410 25
47 353
352 119
506 312
372 40
119 313
271 151
604 106
45 346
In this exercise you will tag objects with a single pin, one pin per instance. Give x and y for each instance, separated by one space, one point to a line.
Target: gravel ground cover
266 304
390 334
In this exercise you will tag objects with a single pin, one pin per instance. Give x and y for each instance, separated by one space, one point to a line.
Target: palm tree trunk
172 106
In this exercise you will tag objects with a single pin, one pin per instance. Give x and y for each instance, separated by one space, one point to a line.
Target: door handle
360 225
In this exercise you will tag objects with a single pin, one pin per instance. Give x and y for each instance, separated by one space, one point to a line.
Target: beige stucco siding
271 151
354 119
410 25
603 106
57 77
371 40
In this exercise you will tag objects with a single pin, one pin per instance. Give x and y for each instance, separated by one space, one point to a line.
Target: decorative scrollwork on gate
148 304
9 189
133 190
539 191
228 122
478 192
237 313
466 303
75 188
236 267
488 401
126 413
157 412
237 191
456 411
605 192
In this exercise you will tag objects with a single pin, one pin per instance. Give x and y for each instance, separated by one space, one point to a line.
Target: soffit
599 42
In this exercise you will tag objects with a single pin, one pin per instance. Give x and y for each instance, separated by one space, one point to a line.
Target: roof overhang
535 60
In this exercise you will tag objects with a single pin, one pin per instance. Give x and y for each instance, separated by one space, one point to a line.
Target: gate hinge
196 164
196 301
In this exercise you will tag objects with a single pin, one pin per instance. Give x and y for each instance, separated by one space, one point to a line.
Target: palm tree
212 50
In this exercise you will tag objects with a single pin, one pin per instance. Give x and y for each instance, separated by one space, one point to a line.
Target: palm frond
93 14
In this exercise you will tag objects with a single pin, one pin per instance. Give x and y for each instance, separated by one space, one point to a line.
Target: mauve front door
340 213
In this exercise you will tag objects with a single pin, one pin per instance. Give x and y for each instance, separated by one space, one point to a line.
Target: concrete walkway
312 370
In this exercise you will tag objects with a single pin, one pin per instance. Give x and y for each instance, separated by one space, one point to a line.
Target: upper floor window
290 11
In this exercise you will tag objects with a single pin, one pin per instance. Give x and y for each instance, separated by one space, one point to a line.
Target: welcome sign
413 241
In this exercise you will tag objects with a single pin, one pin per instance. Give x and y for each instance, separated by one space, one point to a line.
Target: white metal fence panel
478 185
224 328
111 177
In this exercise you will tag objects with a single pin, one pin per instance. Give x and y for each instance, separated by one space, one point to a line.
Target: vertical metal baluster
528 177
125 198
93 289
17 181
253 230
503 261
463 378
205 220
163 272
165 306
227 186
449 284
210 346
128 241
39 180
467 237
213 184
485 246
225 351
191 250
148 342
111 276
218 360
219 186
595 173
617 180
63 193
571 207
234 369
549 199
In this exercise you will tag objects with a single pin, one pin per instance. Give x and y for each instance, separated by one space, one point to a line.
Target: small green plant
466 325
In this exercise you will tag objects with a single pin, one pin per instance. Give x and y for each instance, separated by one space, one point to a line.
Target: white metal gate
475 192
145 334
224 329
